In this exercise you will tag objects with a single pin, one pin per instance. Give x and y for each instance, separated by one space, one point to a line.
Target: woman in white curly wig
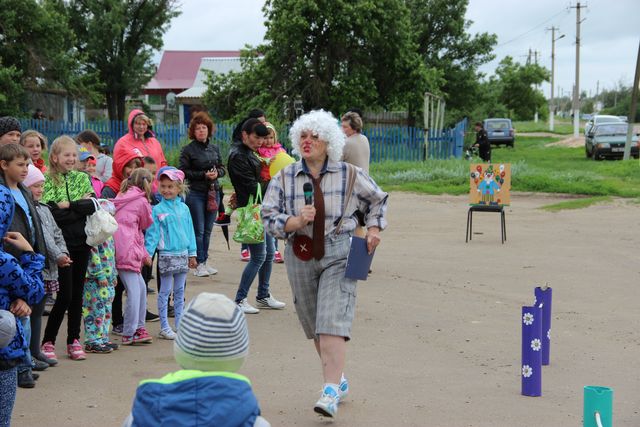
311 204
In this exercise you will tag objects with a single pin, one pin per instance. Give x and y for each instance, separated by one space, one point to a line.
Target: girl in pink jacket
133 213
268 150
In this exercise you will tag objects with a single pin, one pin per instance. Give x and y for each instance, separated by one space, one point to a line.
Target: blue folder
359 260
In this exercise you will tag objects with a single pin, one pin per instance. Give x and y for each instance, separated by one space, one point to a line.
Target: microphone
308 193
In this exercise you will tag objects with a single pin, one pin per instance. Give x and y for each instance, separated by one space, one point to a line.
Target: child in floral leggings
99 290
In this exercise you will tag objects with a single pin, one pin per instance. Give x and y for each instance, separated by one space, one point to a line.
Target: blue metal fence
393 143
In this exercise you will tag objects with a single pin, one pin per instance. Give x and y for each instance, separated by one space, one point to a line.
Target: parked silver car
607 141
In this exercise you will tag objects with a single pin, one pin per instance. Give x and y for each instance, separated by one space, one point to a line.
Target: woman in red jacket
140 136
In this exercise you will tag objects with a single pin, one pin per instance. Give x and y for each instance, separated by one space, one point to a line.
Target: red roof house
178 69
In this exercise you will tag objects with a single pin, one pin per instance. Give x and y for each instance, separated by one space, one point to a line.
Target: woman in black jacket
244 171
202 166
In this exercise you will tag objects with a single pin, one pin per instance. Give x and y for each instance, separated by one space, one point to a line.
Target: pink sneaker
49 350
244 255
277 258
142 336
126 340
75 351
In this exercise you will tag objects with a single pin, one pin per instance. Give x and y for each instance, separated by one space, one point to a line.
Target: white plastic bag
100 226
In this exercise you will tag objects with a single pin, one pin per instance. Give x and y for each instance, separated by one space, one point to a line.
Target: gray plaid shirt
279 203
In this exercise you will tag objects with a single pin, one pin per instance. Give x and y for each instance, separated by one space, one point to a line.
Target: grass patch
576 203
561 127
534 168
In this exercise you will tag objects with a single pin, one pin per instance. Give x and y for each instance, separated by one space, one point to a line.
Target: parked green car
607 141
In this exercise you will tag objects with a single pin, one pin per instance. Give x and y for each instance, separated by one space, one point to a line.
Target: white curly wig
326 126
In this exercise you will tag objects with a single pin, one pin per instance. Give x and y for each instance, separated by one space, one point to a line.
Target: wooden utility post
632 109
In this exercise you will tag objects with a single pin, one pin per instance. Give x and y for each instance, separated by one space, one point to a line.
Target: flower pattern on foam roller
536 344
527 318
527 371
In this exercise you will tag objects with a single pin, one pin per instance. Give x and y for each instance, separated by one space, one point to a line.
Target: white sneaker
328 403
201 271
212 271
247 308
167 335
269 302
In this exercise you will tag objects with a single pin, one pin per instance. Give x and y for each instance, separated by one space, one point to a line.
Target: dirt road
437 331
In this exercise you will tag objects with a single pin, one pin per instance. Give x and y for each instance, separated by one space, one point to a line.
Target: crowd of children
43 213
44 207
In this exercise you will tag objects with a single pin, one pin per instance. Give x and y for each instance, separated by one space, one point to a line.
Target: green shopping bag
250 228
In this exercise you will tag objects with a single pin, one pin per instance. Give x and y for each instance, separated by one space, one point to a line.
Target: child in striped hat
211 345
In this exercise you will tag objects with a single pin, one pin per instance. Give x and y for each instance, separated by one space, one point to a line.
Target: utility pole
632 110
535 56
576 91
552 108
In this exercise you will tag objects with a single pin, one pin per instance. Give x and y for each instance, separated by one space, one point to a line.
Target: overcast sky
610 34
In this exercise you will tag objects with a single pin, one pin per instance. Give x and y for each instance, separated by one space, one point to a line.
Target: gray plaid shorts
324 299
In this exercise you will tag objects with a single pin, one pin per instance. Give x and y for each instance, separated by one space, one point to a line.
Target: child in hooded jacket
133 214
123 164
21 286
173 236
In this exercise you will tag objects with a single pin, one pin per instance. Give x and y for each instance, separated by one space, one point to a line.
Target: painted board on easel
490 184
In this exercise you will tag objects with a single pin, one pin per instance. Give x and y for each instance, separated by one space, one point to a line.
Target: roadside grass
561 127
576 203
534 167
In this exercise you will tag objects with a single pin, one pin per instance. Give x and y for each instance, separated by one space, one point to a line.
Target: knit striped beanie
212 335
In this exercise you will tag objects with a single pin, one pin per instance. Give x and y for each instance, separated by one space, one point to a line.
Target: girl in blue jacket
20 287
173 236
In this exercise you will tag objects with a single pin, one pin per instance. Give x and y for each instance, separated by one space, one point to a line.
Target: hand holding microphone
308 211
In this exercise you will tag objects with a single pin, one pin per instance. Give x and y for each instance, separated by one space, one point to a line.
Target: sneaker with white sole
167 334
49 350
211 270
270 302
247 308
327 405
201 271
75 352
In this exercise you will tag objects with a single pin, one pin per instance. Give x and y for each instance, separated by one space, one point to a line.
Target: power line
533 29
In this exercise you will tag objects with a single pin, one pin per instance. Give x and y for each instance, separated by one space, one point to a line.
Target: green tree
441 34
36 52
331 54
518 88
117 39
